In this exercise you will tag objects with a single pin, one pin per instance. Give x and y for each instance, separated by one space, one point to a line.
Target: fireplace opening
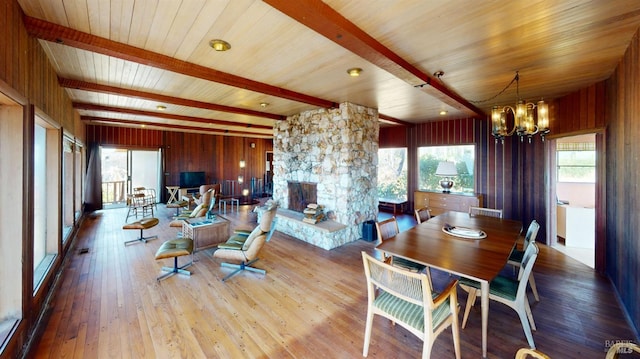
301 194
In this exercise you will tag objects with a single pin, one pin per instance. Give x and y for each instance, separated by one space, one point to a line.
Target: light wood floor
310 304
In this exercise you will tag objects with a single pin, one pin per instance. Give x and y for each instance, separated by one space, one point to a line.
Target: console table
206 233
439 202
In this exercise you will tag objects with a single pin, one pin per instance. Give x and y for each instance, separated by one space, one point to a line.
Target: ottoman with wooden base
173 249
142 224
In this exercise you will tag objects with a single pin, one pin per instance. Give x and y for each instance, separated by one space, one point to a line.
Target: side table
206 233
173 192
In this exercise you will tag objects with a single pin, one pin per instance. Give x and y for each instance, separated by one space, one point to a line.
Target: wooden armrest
450 290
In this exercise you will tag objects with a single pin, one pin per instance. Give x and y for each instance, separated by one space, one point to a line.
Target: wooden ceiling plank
93 107
52 32
86 86
321 18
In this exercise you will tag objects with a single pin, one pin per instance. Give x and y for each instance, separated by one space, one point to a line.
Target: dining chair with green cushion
406 298
515 258
422 214
489 212
509 291
389 228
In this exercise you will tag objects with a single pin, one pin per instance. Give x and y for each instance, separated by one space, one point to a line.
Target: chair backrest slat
398 282
489 212
422 214
532 233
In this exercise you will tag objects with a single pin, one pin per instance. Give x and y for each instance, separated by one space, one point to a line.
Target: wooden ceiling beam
93 87
63 35
394 120
168 116
321 18
172 126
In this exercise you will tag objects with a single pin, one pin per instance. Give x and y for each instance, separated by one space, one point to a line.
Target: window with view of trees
576 162
464 158
392 173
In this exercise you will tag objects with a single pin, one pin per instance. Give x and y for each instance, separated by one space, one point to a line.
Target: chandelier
524 123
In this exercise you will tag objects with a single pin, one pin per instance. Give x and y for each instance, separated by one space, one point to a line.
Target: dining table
475 247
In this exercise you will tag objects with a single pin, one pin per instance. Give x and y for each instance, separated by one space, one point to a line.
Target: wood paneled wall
622 177
218 156
124 137
580 111
27 77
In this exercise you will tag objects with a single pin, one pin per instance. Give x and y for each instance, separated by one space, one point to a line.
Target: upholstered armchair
244 247
206 192
200 211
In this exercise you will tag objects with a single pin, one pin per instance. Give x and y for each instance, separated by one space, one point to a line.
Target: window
46 182
11 229
576 162
464 158
68 215
392 173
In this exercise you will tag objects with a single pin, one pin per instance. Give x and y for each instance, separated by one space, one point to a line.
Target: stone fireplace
337 151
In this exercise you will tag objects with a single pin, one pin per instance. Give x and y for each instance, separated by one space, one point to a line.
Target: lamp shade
446 169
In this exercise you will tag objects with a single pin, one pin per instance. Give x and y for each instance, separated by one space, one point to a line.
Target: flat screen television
191 179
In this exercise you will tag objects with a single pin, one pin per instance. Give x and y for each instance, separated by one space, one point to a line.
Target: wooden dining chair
389 228
489 212
407 299
515 257
508 291
422 214
524 353
622 348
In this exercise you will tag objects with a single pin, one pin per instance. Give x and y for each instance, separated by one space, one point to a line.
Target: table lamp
447 170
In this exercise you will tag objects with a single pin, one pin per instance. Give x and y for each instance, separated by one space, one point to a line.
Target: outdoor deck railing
113 192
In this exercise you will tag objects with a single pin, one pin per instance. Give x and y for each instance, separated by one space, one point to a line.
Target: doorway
574 178
124 169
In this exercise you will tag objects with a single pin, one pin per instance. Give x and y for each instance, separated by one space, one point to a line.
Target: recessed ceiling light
443 112
219 45
263 104
161 107
354 72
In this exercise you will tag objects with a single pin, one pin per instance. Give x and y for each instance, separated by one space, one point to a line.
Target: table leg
484 300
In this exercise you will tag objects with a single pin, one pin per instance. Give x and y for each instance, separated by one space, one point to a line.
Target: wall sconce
242 164
240 179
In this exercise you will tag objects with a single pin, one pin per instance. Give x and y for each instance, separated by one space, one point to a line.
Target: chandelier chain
515 79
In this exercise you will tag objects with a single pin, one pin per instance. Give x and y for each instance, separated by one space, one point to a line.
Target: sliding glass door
125 169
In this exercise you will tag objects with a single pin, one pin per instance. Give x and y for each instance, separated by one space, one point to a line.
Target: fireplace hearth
301 194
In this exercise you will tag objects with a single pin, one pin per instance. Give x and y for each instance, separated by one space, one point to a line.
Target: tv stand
184 192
